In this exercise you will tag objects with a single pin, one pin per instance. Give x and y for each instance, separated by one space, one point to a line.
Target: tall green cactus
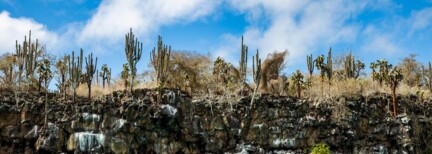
352 67
310 64
75 71
160 58
256 73
26 57
243 62
329 67
133 51
298 82
90 71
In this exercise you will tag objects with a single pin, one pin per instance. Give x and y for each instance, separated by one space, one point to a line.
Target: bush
321 148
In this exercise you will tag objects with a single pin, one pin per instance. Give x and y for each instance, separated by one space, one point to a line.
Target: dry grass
364 86
98 90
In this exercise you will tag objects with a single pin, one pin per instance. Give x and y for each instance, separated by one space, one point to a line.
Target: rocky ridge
126 123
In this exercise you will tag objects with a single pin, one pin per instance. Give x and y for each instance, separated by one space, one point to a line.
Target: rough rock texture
122 123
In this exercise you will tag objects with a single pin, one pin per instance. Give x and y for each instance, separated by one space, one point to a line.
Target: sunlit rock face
126 123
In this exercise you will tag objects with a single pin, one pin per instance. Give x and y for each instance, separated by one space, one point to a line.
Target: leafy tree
393 79
410 69
62 70
104 74
298 82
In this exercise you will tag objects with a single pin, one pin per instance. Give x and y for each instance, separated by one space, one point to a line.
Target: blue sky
372 29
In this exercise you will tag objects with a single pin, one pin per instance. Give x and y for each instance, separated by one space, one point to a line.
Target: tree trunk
131 83
103 83
394 100
89 91
74 94
322 86
46 108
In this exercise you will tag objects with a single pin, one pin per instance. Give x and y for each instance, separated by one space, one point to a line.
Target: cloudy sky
372 29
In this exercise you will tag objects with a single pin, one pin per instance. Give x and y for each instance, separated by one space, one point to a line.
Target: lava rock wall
126 123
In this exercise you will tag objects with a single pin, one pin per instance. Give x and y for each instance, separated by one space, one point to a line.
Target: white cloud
113 18
12 29
297 26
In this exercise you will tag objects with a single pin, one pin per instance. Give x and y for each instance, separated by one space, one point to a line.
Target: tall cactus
133 51
256 73
311 65
352 67
160 58
26 57
329 67
243 62
90 71
75 71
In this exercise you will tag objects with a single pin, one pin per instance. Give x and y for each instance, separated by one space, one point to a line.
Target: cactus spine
75 71
256 73
133 51
160 60
90 71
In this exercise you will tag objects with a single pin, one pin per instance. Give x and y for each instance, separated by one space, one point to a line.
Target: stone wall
122 123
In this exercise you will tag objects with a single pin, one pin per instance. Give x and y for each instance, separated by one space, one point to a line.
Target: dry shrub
271 69
188 71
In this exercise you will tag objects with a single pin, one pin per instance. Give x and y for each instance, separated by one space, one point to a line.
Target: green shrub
321 148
